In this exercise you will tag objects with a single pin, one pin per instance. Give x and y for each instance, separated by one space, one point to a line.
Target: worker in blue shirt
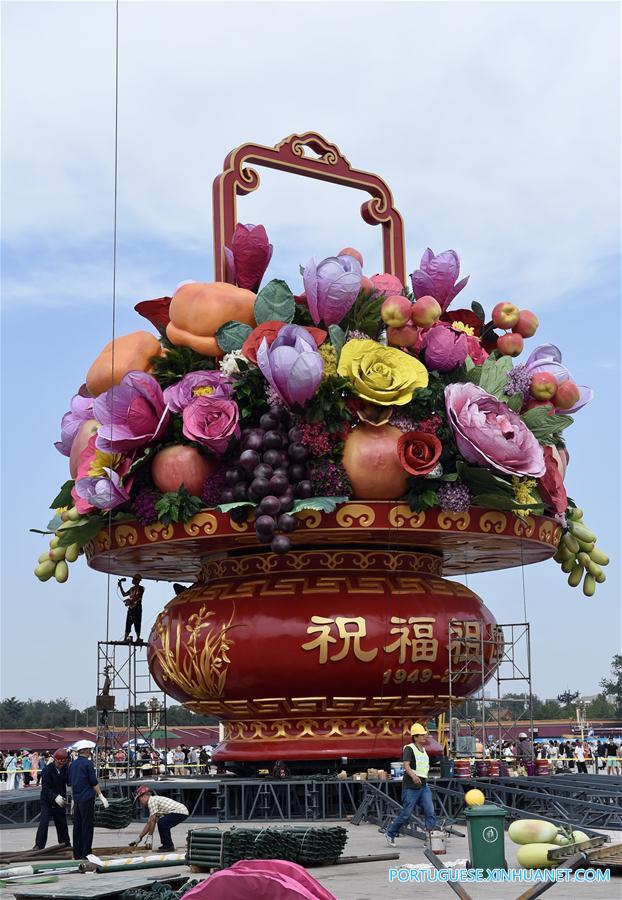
85 786
53 801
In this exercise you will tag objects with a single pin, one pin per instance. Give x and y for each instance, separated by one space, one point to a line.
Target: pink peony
208 383
444 347
387 284
212 422
491 435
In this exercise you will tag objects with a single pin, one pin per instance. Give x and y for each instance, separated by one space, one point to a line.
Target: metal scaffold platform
123 676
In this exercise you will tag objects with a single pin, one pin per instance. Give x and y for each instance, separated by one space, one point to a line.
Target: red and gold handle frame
330 165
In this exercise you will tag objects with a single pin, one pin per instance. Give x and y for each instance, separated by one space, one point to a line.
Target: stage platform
587 801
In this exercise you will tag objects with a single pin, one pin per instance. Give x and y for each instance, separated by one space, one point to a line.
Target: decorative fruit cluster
579 556
55 560
270 471
261 402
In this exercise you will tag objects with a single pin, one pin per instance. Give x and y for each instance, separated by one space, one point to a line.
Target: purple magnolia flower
131 414
291 364
208 383
489 434
212 422
81 409
249 256
104 492
331 287
548 358
437 277
444 347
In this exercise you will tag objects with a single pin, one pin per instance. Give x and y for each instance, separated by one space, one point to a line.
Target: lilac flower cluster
454 497
145 506
518 381
213 486
329 479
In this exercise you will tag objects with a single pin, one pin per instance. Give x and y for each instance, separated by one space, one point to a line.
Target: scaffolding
137 725
471 651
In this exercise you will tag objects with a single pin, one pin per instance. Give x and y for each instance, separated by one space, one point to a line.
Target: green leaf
232 335
178 506
63 497
227 507
494 375
323 504
502 501
337 338
54 523
469 365
478 309
483 481
82 532
515 402
275 302
546 426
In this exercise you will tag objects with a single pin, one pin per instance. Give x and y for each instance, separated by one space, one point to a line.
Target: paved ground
365 881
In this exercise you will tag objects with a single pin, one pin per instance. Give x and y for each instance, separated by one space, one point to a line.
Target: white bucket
436 841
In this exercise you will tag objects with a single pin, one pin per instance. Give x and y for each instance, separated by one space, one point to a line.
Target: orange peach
132 352
198 310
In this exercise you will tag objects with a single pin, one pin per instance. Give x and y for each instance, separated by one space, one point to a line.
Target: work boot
389 839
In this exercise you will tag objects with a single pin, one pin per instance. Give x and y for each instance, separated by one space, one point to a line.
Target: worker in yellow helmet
415 789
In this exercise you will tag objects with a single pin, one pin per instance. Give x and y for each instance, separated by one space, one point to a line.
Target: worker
165 812
415 789
524 750
85 786
53 801
134 602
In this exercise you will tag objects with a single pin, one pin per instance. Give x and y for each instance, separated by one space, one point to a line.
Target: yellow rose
383 375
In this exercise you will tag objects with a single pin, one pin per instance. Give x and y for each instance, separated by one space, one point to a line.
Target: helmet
83 745
143 789
61 756
417 729
522 736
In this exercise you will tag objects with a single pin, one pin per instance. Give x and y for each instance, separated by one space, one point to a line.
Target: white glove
60 801
148 842
105 803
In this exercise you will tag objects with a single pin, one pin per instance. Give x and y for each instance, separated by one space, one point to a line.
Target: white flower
436 472
229 362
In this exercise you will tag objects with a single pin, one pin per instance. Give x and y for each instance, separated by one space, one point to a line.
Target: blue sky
496 126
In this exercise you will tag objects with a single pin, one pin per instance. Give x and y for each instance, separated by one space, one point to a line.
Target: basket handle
331 165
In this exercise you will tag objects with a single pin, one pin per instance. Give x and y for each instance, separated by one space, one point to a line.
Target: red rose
551 485
269 331
419 452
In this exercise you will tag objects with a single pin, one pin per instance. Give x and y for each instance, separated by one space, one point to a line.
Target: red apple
179 465
505 315
543 386
567 395
367 284
396 310
510 344
84 432
406 336
527 324
425 312
371 461
350 251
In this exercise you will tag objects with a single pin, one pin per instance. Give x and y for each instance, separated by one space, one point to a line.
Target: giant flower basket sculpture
312 459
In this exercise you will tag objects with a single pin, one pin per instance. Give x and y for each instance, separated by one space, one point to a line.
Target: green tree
613 686
11 712
601 708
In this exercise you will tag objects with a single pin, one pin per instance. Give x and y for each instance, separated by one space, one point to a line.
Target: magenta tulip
131 414
249 256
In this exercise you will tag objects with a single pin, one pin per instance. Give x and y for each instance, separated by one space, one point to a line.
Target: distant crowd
603 755
23 769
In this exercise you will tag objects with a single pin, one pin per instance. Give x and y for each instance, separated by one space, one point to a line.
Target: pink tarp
261 879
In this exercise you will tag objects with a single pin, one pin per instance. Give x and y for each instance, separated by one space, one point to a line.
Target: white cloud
495 125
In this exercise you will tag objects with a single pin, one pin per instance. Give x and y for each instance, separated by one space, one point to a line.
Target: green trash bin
485 826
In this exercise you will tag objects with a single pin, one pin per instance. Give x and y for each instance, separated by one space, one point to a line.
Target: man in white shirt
164 812
579 755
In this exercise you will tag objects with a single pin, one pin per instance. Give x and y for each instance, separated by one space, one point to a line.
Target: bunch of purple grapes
271 470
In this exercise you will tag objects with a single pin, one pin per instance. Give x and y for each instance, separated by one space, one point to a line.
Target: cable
114 282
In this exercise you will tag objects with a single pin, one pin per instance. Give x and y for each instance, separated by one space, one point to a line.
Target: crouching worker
165 812
415 789
53 801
